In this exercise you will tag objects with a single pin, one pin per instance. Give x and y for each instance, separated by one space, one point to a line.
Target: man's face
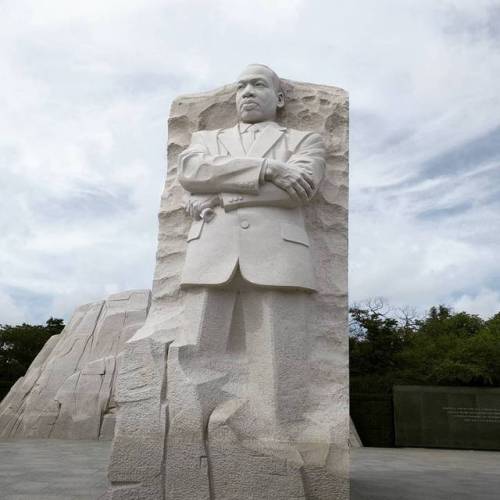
256 98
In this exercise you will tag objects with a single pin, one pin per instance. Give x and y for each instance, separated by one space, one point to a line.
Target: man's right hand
198 203
297 182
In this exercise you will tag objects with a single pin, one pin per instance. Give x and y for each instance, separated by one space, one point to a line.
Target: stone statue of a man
256 176
235 385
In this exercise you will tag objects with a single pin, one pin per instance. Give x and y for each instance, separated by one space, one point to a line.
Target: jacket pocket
195 230
295 234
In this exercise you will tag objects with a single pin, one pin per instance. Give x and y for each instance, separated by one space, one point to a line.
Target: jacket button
244 224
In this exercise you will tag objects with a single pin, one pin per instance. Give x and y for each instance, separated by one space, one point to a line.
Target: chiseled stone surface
67 392
150 454
354 439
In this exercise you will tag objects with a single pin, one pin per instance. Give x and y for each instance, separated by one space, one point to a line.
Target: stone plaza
76 470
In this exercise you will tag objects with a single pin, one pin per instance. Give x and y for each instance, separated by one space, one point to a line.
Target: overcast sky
85 89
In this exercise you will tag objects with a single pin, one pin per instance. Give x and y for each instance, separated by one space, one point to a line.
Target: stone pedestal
241 453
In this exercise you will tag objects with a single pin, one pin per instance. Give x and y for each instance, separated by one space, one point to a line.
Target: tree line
19 346
389 347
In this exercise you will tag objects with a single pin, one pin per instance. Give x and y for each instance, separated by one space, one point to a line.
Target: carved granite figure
257 175
249 264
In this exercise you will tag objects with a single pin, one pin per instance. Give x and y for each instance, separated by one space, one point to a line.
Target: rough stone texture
354 439
68 390
314 467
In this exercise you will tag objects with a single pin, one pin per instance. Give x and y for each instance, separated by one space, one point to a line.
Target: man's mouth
249 105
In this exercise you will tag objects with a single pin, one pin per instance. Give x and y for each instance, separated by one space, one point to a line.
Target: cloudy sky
85 89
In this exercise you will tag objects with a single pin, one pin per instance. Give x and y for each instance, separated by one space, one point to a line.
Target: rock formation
315 465
67 391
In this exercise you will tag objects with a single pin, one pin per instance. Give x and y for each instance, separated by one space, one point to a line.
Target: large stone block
160 375
68 391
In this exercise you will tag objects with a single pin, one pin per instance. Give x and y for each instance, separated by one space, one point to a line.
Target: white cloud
85 92
485 303
10 312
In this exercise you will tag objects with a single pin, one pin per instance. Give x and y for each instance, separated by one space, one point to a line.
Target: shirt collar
245 127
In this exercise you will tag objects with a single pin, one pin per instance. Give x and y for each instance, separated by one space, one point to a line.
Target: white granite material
67 391
239 392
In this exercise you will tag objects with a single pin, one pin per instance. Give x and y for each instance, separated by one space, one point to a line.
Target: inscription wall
447 417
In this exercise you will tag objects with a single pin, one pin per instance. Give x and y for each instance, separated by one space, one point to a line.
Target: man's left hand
197 203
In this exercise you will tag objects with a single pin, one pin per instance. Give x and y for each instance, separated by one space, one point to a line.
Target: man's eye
260 84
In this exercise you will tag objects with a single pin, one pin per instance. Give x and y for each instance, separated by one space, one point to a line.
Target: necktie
255 131
250 136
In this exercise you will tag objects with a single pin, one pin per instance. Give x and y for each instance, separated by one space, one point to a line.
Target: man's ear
281 99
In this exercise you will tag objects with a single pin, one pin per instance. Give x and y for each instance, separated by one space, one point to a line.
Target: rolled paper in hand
207 214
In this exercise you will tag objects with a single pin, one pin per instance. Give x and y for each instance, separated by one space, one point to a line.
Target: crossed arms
236 182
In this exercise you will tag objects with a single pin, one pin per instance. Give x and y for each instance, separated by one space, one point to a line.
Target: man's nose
248 91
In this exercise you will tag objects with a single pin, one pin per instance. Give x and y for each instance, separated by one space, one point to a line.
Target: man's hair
274 76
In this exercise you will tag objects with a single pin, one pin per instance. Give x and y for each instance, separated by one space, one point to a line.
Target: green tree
452 349
444 348
375 342
19 346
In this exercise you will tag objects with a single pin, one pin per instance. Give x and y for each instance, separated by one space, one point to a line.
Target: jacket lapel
231 140
266 139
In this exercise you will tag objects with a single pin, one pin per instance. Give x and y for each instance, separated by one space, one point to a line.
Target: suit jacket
260 228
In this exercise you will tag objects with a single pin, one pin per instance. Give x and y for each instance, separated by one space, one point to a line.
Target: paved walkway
67 470
424 474
52 469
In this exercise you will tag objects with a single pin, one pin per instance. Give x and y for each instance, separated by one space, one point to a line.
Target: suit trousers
243 358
